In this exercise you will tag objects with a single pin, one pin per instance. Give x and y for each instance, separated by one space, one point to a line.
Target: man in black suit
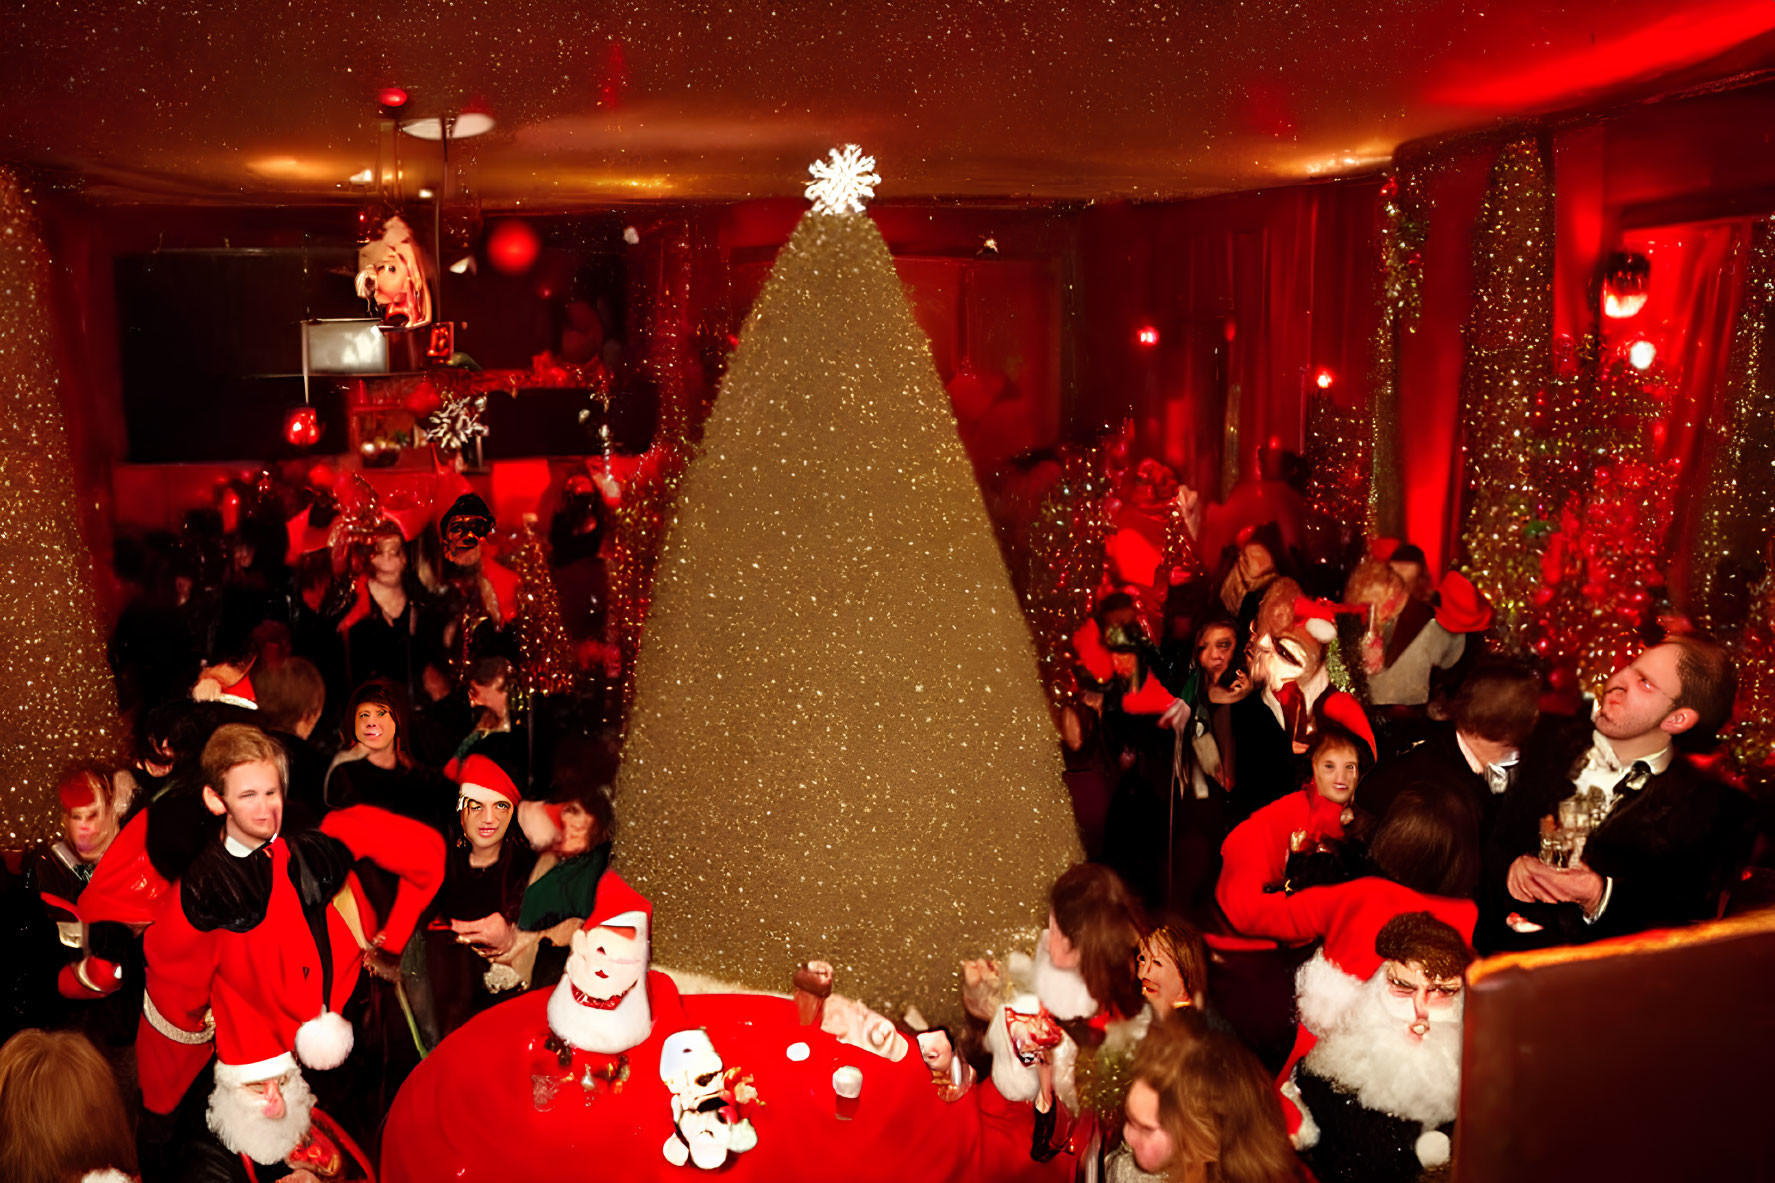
1670 836
1474 753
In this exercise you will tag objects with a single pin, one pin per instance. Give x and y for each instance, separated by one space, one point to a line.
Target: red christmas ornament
322 476
391 96
302 427
512 246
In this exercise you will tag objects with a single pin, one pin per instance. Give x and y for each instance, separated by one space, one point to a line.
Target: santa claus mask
600 1004
266 1120
707 1122
605 964
1033 1033
1417 1000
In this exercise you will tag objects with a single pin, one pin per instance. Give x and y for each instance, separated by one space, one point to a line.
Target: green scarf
567 889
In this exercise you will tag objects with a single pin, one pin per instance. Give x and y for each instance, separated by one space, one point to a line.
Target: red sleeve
407 848
181 964
1255 856
125 887
1293 919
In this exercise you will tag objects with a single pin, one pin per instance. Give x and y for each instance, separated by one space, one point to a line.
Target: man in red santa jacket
265 933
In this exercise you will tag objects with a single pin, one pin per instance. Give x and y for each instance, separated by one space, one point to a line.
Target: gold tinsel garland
1508 354
1739 496
544 648
1403 229
60 701
839 748
1064 563
1752 734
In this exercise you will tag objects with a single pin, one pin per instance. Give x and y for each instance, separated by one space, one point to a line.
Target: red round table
467 1113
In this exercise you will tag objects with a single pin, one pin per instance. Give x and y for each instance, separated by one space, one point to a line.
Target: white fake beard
1370 1050
1010 1076
237 1117
1062 991
605 1031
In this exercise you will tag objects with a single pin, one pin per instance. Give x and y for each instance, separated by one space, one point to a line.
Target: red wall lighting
1147 336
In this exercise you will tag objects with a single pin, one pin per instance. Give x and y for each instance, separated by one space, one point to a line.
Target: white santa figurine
609 1002
1379 1090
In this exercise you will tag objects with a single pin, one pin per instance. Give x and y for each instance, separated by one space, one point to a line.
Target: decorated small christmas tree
839 746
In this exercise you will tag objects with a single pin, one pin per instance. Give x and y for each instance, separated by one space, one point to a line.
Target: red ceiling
664 99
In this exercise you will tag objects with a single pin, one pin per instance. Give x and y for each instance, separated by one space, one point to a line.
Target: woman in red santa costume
1425 856
263 938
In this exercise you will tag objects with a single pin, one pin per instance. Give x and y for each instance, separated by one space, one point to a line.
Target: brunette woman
474 919
1200 1110
375 766
386 633
563 884
62 1118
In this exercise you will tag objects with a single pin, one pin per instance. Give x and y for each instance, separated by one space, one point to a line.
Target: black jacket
1436 763
1670 848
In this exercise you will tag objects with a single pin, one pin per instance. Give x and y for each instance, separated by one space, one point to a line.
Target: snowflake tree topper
841 183
457 423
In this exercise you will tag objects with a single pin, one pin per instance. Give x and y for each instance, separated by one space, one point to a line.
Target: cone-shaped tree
840 747
59 701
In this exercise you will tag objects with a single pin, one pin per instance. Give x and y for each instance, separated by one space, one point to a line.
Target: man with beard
609 1002
261 944
1379 1090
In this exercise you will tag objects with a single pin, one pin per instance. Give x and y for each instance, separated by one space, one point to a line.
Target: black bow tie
1635 780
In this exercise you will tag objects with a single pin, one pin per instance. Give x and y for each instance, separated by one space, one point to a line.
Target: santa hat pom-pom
541 825
1322 631
324 1042
1433 1148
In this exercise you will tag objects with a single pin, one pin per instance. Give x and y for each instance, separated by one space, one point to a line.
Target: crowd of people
1302 819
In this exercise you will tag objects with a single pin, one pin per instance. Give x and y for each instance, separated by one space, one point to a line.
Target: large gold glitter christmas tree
840 747
56 694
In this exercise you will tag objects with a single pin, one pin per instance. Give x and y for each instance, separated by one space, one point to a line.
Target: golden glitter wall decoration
56 691
1509 346
840 746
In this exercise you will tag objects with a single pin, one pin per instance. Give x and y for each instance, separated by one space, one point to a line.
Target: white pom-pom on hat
324 1041
1433 1148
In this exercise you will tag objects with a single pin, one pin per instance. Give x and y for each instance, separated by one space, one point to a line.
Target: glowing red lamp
1147 336
391 97
1626 284
512 246
1324 379
302 427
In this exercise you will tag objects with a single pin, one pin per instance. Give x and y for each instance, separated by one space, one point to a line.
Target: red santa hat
209 688
1132 558
1318 618
480 778
1346 712
617 905
1459 606
1088 644
80 789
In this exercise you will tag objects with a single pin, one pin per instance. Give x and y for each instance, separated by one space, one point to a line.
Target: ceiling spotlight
1641 354
425 195
363 178
391 97
1147 336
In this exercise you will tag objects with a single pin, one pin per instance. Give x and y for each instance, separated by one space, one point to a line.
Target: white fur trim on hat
1322 631
483 794
1433 1148
324 1041
1324 993
630 919
108 1175
253 1073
